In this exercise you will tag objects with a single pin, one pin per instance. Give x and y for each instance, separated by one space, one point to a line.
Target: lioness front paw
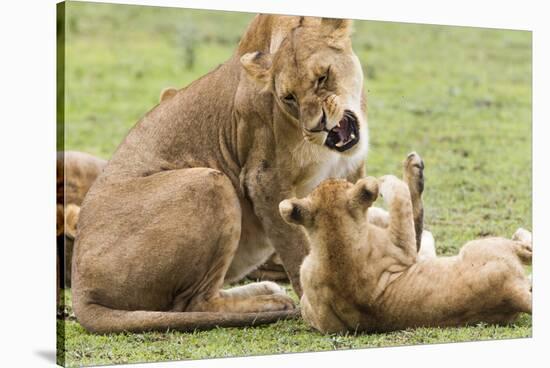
413 172
276 302
390 186
271 287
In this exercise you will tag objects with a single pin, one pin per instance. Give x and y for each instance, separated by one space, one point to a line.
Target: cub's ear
337 29
296 211
257 65
364 192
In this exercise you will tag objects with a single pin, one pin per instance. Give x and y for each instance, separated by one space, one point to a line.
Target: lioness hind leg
260 297
413 175
263 296
130 286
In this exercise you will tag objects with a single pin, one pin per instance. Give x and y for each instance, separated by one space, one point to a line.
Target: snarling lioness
190 198
360 276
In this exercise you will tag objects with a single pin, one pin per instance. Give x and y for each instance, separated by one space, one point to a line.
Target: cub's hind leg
520 297
521 288
413 175
523 235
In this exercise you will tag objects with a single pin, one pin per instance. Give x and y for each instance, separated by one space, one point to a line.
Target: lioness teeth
352 136
339 144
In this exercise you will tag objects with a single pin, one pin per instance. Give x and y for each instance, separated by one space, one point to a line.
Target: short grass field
459 96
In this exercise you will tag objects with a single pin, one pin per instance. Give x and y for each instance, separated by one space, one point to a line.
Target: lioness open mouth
345 134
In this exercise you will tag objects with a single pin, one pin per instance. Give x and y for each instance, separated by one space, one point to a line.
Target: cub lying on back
361 277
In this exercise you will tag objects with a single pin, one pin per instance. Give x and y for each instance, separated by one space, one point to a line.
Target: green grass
83 348
459 96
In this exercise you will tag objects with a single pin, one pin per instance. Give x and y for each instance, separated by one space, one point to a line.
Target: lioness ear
336 29
296 211
257 65
364 192
167 93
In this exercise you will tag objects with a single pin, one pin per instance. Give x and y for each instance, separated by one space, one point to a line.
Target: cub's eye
290 99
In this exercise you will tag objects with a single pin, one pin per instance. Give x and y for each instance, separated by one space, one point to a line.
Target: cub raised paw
390 187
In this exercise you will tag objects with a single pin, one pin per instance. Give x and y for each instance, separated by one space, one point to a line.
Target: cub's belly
254 247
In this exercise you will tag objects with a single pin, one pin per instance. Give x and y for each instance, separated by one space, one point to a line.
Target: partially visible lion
362 277
189 201
76 171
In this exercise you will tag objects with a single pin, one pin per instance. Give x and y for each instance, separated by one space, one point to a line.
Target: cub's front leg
401 230
266 189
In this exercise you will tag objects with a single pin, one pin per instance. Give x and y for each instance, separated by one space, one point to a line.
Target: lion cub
362 277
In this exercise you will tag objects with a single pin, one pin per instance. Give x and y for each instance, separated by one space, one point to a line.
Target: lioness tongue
343 130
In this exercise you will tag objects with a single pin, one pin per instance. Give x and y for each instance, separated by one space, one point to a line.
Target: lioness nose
321 125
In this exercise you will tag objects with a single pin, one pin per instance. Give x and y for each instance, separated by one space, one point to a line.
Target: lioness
362 277
190 198
76 172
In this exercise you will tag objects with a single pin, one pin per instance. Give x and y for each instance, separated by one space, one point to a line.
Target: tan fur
362 277
71 218
76 172
189 200
271 270
167 93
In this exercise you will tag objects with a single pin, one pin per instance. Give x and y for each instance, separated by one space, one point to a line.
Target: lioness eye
290 98
322 79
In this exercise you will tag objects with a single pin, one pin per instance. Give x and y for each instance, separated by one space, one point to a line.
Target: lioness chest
254 246
332 167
